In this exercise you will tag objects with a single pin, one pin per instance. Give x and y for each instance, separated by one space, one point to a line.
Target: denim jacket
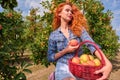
57 42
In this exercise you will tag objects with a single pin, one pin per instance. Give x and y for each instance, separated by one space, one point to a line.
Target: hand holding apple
72 46
73 42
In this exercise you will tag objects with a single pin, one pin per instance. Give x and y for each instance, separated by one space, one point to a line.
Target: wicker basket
86 71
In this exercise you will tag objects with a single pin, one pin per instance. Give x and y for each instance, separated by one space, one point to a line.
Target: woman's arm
85 36
68 49
106 70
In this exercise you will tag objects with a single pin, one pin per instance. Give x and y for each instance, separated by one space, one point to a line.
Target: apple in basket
91 57
73 42
91 63
84 58
97 62
76 60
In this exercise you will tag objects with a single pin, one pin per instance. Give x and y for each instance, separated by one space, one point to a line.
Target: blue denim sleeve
86 36
51 49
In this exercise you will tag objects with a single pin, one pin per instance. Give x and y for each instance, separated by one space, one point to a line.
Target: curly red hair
78 22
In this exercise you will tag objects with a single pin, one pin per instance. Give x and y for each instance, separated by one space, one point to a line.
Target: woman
69 23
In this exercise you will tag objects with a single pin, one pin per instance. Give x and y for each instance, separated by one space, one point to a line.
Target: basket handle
97 48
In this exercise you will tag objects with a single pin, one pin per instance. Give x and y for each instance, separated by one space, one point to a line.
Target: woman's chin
68 20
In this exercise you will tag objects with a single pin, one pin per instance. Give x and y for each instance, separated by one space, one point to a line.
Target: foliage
8 4
9 70
36 34
11 37
100 26
11 46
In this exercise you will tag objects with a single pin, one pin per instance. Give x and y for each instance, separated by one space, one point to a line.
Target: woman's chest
62 41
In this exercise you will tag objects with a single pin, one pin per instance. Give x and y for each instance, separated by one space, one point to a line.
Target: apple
85 63
9 15
0 26
84 58
73 42
76 60
91 63
82 62
97 62
91 57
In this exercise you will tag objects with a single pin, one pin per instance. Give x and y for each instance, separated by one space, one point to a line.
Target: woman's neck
64 26
64 30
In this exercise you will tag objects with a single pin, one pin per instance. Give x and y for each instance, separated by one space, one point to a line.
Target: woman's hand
71 48
68 49
106 70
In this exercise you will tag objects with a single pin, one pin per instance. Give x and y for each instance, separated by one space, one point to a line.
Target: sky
113 5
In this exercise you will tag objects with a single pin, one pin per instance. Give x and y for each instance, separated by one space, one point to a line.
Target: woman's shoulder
84 30
54 34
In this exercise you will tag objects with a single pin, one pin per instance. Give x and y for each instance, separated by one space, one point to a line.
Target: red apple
73 42
91 63
0 26
9 15
76 60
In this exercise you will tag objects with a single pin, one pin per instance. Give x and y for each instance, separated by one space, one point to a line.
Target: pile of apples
87 59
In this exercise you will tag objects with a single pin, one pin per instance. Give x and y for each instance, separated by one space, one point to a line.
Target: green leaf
23 64
0 1
27 70
28 64
20 76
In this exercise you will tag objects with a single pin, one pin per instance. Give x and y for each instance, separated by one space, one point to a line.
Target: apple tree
101 29
12 46
36 32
